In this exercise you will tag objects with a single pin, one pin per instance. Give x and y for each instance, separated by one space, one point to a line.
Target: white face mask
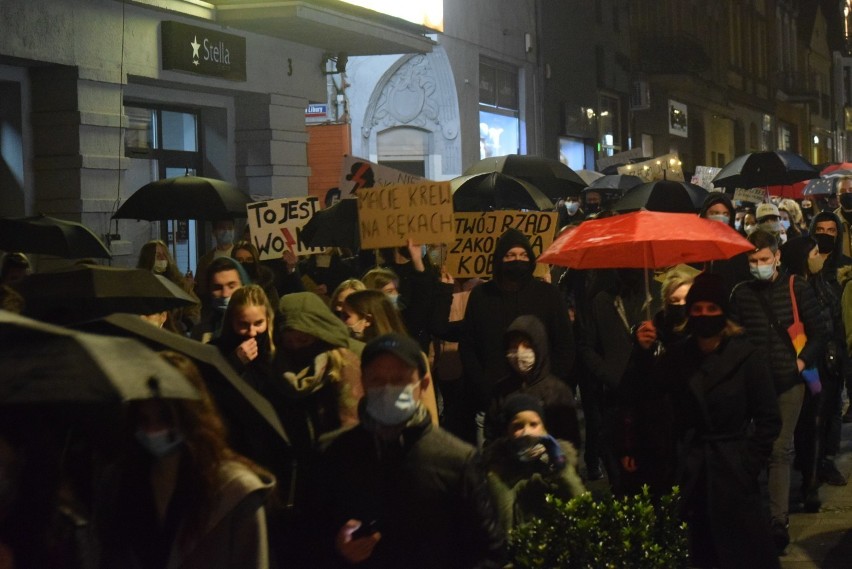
572 207
160 266
392 404
719 217
159 443
522 360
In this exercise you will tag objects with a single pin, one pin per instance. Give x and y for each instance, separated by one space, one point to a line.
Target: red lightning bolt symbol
288 239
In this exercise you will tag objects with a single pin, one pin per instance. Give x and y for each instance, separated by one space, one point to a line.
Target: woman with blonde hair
343 290
792 218
180 496
673 291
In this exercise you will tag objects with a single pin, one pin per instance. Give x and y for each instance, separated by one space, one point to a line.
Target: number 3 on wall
289 67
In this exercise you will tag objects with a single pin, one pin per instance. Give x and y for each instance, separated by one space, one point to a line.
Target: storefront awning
331 26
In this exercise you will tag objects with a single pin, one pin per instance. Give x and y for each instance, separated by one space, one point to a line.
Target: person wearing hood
494 305
570 211
397 491
719 207
527 350
843 187
221 279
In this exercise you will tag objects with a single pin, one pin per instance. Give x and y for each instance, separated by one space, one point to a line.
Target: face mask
782 237
815 264
762 272
221 303
159 443
522 360
160 267
394 298
572 207
593 208
516 270
719 217
707 326
825 242
770 226
675 314
251 268
846 201
392 404
527 448
785 223
224 236
749 229
357 329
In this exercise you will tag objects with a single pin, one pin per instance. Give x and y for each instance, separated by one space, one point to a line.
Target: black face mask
592 208
251 269
846 201
825 242
707 326
516 270
675 315
262 346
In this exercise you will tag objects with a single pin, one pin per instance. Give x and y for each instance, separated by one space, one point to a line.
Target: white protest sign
276 225
753 195
703 177
359 173
472 250
390 215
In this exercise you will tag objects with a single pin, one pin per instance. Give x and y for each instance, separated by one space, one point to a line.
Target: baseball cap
400 346
766 209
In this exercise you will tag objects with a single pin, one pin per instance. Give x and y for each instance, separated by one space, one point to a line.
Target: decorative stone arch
418 92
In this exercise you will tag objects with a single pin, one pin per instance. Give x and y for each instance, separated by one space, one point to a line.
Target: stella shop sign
203 51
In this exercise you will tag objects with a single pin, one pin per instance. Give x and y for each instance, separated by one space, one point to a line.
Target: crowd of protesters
424 416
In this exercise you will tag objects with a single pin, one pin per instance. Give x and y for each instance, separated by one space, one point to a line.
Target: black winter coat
748 311
727 419
427 494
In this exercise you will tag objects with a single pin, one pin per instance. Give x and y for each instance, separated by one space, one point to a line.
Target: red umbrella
645 240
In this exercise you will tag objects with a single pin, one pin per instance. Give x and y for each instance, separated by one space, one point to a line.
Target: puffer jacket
748 311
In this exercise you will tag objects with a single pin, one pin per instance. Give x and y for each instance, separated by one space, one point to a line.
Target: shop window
499 124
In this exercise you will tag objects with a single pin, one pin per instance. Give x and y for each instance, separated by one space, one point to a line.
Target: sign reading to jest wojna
276 225
471 252
390 215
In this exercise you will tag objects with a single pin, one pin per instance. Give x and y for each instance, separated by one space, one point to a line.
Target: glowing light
429 13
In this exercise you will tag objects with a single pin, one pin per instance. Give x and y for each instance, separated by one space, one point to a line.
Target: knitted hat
708 287
519 402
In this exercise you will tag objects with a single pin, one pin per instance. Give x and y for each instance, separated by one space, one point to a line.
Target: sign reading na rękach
388 216
470 254
276 225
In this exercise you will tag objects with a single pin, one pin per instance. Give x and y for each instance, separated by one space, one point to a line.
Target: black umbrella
769 168
243 408
555 179
49 364
495 191
51 236
185 197
664 196
621 182
335 226
84 292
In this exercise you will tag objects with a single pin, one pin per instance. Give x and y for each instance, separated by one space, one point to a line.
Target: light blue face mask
785 223
391 404
762 272
159 443
720 217
221 303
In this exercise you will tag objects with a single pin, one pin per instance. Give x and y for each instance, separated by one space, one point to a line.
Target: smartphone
367 528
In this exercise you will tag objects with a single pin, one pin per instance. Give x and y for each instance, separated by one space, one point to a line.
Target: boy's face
526 424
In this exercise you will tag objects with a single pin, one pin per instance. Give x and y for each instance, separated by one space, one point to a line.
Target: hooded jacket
556 396
491 309
845 235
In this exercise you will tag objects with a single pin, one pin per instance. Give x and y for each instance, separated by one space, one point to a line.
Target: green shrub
603 532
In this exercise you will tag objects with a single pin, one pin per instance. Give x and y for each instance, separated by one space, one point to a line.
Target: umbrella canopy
335 226
768 168
49 364
185 197
242 407
51 236
663 196
494 191
645 239
588 176
84 292
819 186
621 182
555 179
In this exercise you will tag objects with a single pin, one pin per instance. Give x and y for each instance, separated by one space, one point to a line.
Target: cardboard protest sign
665 167
276 225
390 215
359 173
704 177
471 252
753 195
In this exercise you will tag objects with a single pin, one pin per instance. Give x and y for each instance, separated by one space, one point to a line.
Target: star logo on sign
195 45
